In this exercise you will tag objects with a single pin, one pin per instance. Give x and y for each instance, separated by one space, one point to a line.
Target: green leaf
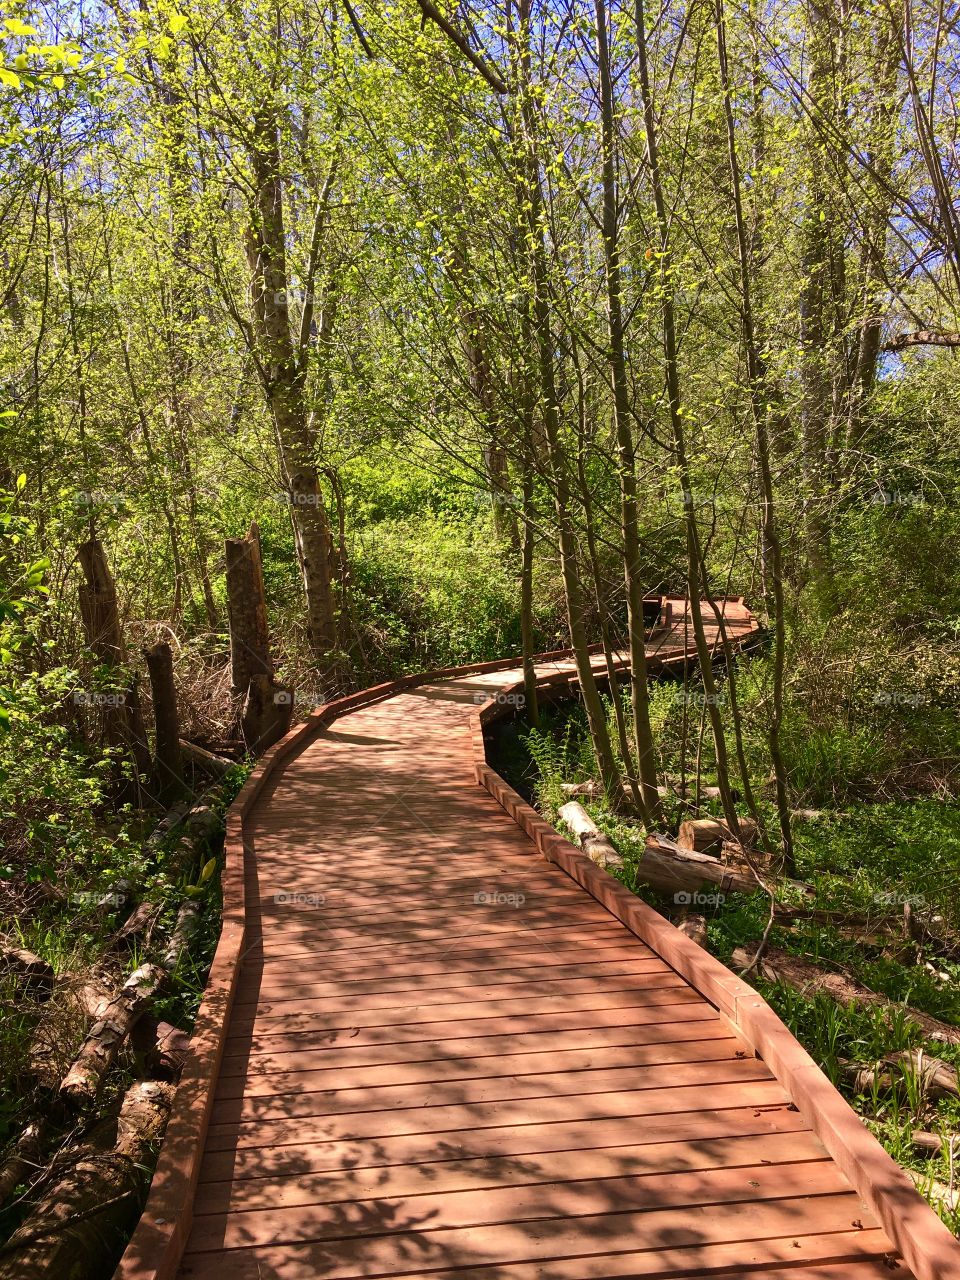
208 869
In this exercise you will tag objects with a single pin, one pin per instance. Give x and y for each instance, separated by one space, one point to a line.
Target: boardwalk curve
424 1050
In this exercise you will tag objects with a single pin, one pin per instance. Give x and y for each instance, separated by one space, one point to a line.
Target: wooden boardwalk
445 1057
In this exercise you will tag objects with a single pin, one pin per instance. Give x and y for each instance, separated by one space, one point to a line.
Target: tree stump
167 763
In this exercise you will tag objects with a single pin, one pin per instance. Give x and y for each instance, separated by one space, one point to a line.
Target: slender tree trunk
532 705
168 766
759 398
247 609
672 371
626 462
531 203
283 375
817 338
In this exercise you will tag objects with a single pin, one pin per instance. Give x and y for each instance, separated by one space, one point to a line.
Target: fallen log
200 827
694 927
93 1197
670 790
932 1143
708 835
171 1050
163 1047
206 761
203 824
105 1038
184 931
73 1004
23 1160
598 847
937 1079
592 790
808 978
137 929
684 872
938 1193
167 825
31 973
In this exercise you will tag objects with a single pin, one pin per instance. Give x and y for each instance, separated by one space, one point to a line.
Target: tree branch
496 83
922 338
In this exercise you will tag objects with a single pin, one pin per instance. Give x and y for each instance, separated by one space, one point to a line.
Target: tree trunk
283 374
247 611
626 461
168 766
531 699
530 199
122 717
105 1038
98 605
81 1222
747 255
695 574
267 713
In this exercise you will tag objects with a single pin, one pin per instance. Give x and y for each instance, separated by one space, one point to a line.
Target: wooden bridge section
438 1041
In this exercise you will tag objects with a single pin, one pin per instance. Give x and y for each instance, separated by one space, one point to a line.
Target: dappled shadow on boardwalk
444 1058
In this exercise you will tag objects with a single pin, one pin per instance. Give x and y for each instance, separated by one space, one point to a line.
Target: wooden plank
530 950
458 1116
277 945
849 1255
418 1248
255 1081
439 1177
497 1088
302 1000
547 1020
274 983
296 1057
567 1134
532 1007
510 1206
